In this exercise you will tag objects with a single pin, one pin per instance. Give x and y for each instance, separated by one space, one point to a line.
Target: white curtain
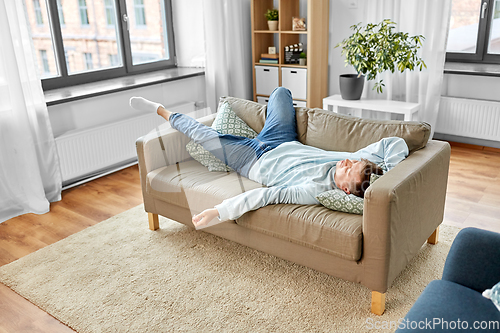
29 167
429 18
228 50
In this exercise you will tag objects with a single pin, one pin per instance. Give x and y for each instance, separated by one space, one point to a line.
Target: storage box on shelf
307 83
295 79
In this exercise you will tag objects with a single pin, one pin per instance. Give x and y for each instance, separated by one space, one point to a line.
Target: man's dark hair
366 171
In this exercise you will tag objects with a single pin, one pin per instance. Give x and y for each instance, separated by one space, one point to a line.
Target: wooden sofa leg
154 222
378 303
434 237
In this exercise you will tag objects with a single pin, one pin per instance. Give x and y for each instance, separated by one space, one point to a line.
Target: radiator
472 118
85 153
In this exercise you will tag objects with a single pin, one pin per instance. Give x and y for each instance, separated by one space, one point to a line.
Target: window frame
483 36
63 79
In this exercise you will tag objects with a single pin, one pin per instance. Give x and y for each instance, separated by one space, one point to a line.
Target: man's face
348 174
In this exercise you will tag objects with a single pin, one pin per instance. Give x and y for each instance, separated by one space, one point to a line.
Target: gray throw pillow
226 122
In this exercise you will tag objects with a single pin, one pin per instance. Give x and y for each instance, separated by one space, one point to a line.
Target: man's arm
395 150
231 209
391 151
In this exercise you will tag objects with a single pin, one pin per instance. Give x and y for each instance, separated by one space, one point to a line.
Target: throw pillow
338 200
374 177
494 295
226 122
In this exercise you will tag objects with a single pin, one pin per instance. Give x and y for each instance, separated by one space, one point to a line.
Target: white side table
408 109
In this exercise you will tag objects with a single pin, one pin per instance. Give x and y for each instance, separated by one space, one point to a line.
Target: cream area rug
118 276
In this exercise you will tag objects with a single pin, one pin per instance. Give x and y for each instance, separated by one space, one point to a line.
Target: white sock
143 104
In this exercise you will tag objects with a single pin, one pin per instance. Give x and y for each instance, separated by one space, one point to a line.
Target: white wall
471 86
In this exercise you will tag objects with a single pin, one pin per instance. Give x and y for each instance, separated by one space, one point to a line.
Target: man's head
353 177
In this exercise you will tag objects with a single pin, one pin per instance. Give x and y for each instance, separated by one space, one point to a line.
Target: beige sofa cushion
314 226
189 184
332 131
199 187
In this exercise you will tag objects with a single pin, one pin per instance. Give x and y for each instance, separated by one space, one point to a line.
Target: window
140 14
45 62
102 41
84 15
60 12
474 34
38 12
110 12
37 16
88 60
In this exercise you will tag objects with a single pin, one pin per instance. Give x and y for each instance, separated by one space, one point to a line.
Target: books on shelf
267 58
268 61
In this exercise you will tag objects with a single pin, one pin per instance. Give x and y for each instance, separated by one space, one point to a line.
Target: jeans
238 152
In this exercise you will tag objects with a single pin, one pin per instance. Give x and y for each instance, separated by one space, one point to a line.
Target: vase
273 25
351 86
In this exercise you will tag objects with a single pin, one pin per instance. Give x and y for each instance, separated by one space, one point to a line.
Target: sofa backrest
331 131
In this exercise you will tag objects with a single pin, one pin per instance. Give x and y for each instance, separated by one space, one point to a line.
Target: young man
293 172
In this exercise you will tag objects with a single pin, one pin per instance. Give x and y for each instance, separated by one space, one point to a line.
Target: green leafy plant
302 55
272 14
376 48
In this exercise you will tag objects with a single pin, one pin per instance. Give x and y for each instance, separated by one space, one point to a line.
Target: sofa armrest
402 209
164 146
474 259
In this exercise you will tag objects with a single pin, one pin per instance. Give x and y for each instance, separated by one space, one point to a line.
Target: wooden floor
473 199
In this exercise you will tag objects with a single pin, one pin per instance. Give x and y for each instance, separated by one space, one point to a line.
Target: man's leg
281 125
236 151
142 104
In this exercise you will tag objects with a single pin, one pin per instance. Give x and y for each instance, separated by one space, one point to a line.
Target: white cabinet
266 79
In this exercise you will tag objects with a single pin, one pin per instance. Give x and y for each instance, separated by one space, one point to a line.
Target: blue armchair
455 302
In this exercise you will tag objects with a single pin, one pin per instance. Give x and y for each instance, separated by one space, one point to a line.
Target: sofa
401 210
456 302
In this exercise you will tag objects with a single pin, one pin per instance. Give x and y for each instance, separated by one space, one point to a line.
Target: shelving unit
315 74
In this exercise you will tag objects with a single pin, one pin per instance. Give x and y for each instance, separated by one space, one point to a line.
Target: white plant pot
302 61
273 25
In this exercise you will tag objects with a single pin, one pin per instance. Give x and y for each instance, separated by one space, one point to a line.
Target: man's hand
205 217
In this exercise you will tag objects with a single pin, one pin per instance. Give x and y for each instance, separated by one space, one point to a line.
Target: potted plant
374 49
272 19
302 59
